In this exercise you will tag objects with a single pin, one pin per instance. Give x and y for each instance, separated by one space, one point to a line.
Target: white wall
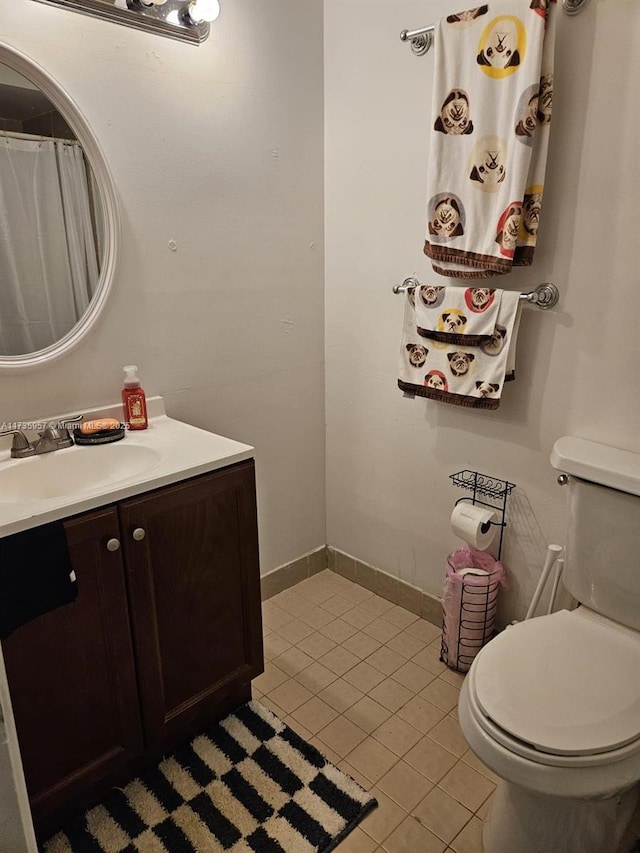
389 496
218 147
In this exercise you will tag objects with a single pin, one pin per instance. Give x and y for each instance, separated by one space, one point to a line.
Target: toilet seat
561 690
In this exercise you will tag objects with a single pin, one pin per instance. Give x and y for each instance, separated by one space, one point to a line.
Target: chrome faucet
54 436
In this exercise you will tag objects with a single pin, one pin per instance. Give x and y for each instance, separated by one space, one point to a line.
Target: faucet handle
76 419
63 423
21 446
59 430
55 435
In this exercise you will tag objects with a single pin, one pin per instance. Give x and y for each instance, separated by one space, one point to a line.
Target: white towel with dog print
491 114
471 376
457 315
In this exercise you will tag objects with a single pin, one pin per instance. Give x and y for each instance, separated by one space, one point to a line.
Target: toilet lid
567 684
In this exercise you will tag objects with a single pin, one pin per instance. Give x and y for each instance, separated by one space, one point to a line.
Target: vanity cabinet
191 556
72 678
164 637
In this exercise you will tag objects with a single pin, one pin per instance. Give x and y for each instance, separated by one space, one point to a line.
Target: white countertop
183 451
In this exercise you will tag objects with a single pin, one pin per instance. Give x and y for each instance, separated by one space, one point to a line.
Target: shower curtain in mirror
48 264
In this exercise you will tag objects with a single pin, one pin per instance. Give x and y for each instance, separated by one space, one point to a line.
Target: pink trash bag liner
469 603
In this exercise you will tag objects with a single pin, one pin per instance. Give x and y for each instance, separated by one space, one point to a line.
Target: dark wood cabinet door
72 678
191 553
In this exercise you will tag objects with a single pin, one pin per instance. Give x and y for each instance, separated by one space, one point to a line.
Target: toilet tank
602 568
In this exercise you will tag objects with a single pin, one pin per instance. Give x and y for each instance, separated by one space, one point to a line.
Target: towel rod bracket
420 41
544 296
573 7
406 284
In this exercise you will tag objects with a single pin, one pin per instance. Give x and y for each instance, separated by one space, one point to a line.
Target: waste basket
469 604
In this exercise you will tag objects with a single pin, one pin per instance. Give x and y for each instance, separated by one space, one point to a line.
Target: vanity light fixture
199 11
186 20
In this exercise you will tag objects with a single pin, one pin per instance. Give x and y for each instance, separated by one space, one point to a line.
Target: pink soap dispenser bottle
134 400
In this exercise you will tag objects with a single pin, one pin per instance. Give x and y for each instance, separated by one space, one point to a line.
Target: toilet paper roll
471 524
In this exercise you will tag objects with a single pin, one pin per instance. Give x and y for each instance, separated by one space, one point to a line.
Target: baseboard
392 589
428 607
292 573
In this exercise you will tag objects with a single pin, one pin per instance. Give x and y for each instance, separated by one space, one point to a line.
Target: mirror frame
70 111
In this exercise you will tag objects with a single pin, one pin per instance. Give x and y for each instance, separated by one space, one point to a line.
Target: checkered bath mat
249 785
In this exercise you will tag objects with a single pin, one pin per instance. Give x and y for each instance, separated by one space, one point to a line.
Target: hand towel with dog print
464 376
491 109
457 315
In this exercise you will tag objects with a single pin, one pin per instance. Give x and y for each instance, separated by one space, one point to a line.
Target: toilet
552 704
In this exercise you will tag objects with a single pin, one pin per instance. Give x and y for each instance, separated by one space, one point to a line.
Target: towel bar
545 295
422 39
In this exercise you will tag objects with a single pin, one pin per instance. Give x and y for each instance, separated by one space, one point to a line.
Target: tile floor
361 679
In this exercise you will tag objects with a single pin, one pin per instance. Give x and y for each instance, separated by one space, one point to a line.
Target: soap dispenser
133 399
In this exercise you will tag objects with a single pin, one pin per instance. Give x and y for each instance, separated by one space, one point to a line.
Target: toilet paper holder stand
490 492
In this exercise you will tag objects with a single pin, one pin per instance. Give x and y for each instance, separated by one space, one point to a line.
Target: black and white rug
248 785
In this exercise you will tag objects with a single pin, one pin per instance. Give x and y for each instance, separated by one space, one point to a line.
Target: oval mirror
59 219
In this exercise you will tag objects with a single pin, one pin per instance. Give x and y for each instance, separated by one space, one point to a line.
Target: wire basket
482 484
488 491
469 611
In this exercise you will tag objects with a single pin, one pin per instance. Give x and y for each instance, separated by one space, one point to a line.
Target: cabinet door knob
113 544
139 534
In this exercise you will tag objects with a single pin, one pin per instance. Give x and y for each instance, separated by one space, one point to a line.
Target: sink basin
54 486
73 471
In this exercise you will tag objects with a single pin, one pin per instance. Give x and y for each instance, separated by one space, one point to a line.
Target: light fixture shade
203 10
